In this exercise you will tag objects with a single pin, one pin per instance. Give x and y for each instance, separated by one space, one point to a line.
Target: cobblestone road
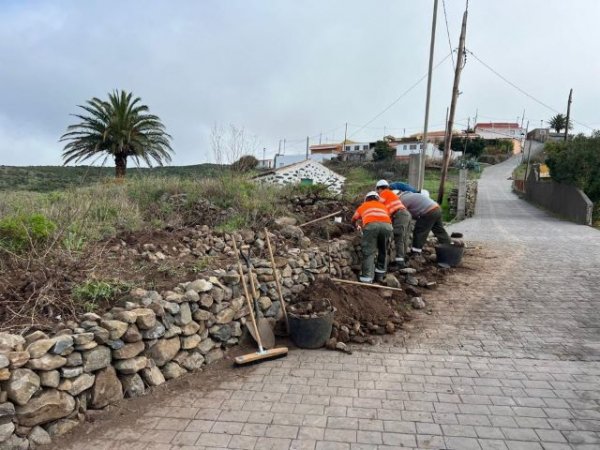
509 360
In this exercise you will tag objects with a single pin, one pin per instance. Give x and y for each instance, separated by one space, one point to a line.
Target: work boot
399 263
379 276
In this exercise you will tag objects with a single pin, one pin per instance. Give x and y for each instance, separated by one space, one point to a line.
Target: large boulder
6 430
107 388
47 362
132 365
39 436
153 376
49 405
81 383
164 351
21 386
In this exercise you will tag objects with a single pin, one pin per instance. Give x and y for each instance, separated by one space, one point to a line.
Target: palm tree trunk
120 166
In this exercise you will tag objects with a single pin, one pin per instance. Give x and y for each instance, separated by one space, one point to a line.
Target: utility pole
345 135
430 70
306 147
448 139
284 146
523 119
568 114
264 151
524 140
320 136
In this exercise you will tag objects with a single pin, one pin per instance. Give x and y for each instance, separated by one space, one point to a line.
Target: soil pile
360 311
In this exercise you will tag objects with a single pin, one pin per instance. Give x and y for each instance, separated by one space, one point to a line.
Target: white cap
382 183
372 194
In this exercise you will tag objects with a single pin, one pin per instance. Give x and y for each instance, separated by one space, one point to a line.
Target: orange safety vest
391 200
372 211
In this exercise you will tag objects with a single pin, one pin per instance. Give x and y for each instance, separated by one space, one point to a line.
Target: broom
261 353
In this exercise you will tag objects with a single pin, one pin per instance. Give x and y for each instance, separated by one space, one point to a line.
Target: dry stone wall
49 380
471 199
318 173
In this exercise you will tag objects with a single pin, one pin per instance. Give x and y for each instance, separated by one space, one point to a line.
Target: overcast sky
287 69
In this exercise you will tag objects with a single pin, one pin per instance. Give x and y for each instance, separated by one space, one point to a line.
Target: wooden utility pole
307 147
448 138
568 114
345 136
430 70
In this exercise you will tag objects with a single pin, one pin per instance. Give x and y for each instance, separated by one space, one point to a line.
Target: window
421 146
348 148
412 146
365 147
404 146
356 147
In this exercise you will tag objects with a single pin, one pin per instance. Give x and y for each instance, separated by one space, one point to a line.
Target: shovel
262 324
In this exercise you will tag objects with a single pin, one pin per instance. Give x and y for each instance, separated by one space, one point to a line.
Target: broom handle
247 295
281 300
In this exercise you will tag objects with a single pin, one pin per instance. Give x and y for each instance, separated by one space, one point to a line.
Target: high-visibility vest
391 200
372 211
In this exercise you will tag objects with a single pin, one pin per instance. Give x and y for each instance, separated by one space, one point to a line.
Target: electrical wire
522 91
400 97
448 32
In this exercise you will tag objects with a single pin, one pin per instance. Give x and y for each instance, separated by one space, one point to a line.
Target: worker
402 187
373 219
400 220
428 216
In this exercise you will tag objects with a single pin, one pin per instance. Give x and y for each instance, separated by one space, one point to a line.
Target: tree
120 128
558 122
230 143
245 164
383 151
472 147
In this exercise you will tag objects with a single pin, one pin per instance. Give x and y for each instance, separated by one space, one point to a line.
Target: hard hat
382 183
372 194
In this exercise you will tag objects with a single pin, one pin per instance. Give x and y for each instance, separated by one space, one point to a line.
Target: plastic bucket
311 332
448 254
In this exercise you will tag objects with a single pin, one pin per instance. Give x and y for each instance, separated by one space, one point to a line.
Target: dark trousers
431 221
375 238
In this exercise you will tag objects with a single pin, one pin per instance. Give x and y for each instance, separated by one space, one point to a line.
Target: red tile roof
497 125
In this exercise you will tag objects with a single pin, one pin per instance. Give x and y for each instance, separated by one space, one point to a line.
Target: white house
265 164
406 148
305 172
500 130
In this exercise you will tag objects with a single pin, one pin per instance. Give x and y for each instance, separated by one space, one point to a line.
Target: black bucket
311 332
448 254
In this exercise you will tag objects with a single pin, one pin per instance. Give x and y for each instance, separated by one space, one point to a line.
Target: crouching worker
400 219
428 216
373 218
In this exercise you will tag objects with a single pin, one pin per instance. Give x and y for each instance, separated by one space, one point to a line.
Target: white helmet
372 194
382 183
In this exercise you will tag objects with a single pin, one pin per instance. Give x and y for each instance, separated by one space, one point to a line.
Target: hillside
52 178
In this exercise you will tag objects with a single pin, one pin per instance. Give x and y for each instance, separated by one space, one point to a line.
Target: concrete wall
562 199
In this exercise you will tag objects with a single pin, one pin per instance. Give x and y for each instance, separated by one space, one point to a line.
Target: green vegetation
19 232
559 122
119 128
469 147
577 162
245 164
383 151
93 292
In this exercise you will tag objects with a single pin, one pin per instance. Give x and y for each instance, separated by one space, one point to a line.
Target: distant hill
52 178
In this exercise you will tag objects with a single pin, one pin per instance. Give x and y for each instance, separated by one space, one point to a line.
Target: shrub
92 292
17 233
245 164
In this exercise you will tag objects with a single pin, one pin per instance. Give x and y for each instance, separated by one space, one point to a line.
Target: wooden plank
356 283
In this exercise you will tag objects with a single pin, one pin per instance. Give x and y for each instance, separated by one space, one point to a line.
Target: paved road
509 360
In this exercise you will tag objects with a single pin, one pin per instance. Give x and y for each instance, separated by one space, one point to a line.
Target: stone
390 327
190 342
206 345
264 303
132 365
11 342
192 296
6 430
36 335
153 376
107 388
408 271
163 351
185 314
343 348
47 362
15 443
48 406
214 355
126 316
173 370
18 359
21 386
413 281
50 379
39 348
138 293
129 350
193 361
190 328
62 344
71 372
74 359
4 374
133 386
202 315
331 343
86 346
171 307
39 436
145 318
101 335
391 281
83 338
81 383
282 221
221 332
95 359
91 317
7 412
116 328
62 426
173 331
200 286
417 303
225 316
154 333
206 301
4 361
132 334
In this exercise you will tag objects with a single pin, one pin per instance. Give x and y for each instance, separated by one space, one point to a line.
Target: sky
288 69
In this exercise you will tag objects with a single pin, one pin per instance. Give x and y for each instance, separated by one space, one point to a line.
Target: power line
522 91
399 98
448 32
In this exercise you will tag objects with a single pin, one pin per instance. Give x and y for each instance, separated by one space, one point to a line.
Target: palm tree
120 127
558 122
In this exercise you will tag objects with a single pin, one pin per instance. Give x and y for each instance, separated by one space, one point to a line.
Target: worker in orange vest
373 219
400 219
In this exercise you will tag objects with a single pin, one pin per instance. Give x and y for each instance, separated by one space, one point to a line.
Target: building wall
405 149
499 133
318 173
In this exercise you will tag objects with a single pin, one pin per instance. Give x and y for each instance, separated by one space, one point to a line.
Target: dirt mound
359 310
